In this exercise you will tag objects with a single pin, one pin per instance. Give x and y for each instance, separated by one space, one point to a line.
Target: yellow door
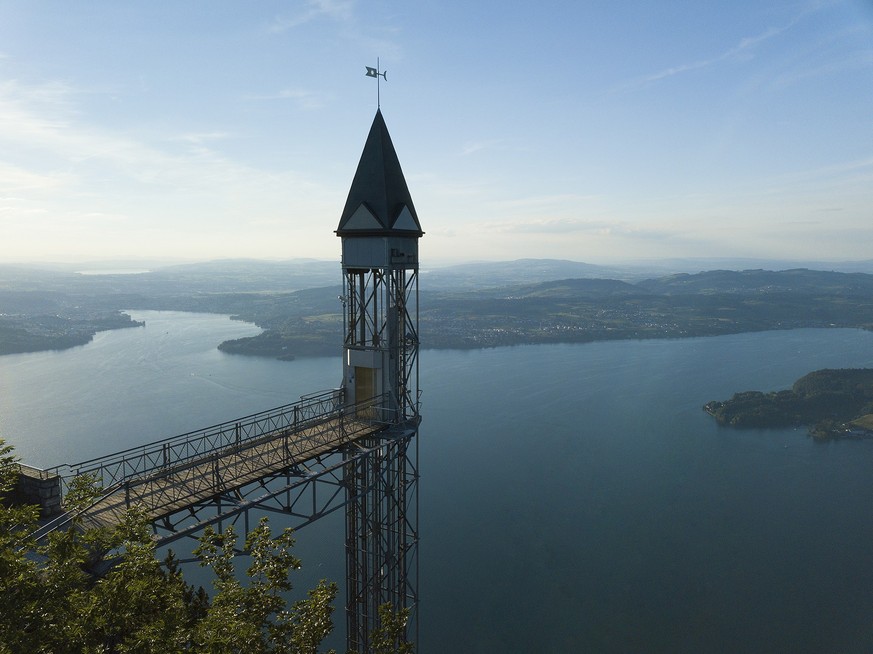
365 391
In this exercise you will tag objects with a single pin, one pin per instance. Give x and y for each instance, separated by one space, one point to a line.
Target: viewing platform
171 475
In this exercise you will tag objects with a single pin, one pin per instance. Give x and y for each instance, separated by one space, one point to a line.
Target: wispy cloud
743 49
14 179
580 238
52 159
199 138
543 204
857 61
39 123
554 226
340 10
856 173
304 98
471 147
363 34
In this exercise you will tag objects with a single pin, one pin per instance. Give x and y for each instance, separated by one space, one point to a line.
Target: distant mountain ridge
757 281
495 273
253 275
522 271
473 306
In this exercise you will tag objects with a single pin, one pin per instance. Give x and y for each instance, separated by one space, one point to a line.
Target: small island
834 404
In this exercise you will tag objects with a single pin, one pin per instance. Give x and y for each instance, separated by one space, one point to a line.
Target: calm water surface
573 497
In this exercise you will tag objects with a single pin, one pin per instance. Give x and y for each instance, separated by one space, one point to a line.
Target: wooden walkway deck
181 486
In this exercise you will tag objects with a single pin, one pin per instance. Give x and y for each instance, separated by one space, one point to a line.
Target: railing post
285 439
127 493
342 425
236 434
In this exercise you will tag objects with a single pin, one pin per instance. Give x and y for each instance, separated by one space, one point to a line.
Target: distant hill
530 271
761 281
469 306
579 288
252 275
675 306
661 267
487 274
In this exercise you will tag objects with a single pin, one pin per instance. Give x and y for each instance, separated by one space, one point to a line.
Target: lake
573 497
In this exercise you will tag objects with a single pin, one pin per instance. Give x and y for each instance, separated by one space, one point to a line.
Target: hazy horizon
667 264
627 131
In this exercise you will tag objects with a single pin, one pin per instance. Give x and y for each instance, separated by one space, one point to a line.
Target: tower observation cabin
379 229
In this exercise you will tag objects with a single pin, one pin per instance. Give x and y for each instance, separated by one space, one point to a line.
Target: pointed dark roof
379 202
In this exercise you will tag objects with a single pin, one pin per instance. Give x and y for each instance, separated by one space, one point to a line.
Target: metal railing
177 451
180 471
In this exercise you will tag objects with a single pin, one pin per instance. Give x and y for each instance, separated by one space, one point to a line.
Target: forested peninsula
25 333
834 404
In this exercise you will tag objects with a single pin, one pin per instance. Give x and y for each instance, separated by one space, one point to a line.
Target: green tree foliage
51 602
826 397
20 586
389 636
253 617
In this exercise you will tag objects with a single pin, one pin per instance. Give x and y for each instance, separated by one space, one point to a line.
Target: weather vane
375 72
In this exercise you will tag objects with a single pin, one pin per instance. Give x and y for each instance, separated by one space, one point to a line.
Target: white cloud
742 49
339 10
553 226
539 204
304 98
857 61
70 186
15 179
32 131
471 147
198 138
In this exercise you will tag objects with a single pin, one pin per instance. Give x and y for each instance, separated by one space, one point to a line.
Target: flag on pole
375 72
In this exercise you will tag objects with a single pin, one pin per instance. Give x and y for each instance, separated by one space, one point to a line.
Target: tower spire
379 202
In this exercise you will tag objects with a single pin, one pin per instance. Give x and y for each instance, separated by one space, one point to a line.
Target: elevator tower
379 229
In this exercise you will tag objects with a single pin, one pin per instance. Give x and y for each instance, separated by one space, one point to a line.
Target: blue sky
591 131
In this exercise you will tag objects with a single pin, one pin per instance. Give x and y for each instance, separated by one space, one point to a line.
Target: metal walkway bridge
289 459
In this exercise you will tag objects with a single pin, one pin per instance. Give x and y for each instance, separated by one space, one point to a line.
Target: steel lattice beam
381 534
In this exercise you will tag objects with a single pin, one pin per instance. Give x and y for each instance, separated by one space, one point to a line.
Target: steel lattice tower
380 231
